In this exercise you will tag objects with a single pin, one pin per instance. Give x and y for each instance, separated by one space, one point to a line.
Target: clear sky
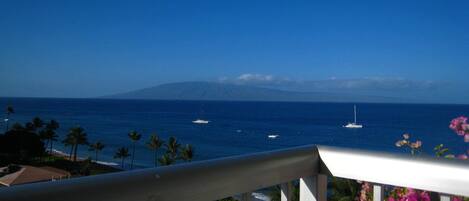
91 48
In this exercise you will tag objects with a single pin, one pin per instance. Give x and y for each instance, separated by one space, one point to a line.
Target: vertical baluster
286 191
313 188
378 192
444 197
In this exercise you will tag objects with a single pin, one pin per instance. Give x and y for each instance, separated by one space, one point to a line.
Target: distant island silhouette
234 92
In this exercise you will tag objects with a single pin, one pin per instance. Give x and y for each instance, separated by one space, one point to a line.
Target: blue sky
91 48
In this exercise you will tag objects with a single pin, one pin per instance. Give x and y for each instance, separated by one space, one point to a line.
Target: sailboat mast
354 113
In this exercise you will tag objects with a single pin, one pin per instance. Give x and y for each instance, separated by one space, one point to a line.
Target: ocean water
242 127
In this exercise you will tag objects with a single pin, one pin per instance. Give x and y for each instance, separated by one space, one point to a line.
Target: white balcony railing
219 178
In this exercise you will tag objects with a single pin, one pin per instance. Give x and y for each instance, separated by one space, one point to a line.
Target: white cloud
255 77
331 83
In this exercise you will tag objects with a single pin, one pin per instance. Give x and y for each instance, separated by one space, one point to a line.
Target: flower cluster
408 194
406 143
461 127
365 192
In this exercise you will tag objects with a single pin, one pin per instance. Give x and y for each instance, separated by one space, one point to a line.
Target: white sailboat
200 121
273 136
354 124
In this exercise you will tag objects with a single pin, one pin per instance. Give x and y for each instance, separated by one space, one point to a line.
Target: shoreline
59 153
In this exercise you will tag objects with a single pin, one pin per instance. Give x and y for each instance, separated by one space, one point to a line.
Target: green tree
50 134
17 127
172 147
155 143
166 160
76 137
96 147
134 137
68 143
122 153
37 123
34 125
53 125
9 111
343 189
187 153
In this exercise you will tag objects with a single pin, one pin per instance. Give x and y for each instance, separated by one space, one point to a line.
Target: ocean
242 127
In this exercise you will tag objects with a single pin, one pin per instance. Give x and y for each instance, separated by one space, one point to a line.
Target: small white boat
200 121
272 136
354 124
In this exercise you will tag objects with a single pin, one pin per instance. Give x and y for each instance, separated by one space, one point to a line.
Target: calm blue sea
242 127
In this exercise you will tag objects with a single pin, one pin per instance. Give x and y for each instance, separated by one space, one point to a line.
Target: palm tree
37 123
166 160
187 153
17 127
34 125
29 127
96 147
155 143
49 133
122 153
53 125
9 111
172 147
134 136
68 141
75 137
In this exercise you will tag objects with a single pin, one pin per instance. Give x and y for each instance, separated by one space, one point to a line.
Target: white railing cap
449 176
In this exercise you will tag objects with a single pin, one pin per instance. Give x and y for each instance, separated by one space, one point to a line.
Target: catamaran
354 124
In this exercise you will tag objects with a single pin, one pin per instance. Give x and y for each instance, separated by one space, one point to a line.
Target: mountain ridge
199 90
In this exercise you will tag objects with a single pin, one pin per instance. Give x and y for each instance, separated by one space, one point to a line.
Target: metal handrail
196 181
219 178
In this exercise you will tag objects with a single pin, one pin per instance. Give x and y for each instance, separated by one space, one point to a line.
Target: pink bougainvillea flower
462 157
457 198
465 127
424 196
412 195
457 125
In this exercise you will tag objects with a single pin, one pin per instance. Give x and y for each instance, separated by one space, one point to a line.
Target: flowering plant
408 194
460 126
415 147
365 192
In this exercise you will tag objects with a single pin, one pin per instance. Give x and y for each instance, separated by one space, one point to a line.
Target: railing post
286 191
246 196
444 197
313 188
378 192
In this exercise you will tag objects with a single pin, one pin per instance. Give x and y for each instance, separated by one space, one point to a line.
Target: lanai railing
240 175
